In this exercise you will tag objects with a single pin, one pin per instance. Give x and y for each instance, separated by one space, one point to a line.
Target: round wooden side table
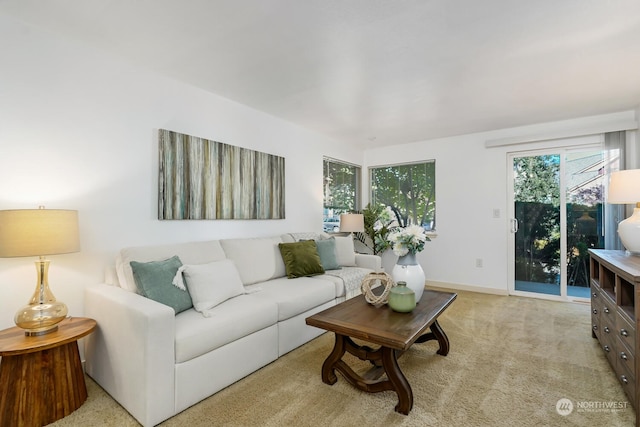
41 377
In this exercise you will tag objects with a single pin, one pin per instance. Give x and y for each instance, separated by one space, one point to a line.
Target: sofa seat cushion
233 319
347 280
295 296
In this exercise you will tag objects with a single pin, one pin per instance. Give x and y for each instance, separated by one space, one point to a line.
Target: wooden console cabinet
615 313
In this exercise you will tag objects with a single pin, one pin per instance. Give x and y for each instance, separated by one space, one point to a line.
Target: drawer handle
623 355
606 329
595 311
606 310
624 379
624 332
595 327
595 295
606 348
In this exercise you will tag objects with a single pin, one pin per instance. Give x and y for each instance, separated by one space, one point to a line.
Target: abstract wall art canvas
204 179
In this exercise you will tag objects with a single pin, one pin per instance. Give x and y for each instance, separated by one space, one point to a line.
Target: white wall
471 181
78 130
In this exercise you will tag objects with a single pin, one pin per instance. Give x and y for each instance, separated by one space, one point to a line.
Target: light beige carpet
511 360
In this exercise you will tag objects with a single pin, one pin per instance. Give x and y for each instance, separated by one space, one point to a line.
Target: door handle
514 225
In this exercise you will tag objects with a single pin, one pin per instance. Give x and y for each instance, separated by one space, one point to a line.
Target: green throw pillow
301 259
327 252
154 281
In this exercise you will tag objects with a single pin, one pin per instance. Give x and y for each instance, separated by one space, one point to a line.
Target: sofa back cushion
345 251
257 259
189 253
305 235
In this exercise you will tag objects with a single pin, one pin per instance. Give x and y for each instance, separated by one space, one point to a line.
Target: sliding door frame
562 151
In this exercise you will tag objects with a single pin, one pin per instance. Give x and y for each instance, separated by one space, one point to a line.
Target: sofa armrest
373 262
131 352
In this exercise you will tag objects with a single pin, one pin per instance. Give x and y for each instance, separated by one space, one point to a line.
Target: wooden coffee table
393 332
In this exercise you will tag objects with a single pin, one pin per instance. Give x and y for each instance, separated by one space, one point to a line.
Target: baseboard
470 288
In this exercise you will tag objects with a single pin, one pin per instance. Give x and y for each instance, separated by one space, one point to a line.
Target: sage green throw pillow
327 252
301 259
154 281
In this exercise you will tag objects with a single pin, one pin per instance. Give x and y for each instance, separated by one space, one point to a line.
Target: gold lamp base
43 313
41 319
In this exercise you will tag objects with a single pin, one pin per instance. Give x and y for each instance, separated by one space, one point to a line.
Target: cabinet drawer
596 309
607 327
595 324
626 358
607 312
626 332
607 343
628 382
595 295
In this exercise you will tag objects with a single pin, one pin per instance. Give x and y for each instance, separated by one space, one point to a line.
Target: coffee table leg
328 370
399 381
443 340
388 357
436 334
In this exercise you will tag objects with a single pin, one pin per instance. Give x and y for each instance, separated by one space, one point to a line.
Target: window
341 191
408 188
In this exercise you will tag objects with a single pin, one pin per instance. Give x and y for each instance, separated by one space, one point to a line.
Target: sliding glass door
536 223
584 204
556 200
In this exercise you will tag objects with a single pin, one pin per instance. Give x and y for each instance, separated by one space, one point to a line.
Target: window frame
357 197
431 230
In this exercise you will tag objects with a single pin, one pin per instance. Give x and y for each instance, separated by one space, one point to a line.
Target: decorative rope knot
372 279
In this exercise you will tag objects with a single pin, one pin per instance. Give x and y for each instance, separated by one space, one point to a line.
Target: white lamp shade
624 188
352 223
38 232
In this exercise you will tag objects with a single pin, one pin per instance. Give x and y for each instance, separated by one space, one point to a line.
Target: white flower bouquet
410 239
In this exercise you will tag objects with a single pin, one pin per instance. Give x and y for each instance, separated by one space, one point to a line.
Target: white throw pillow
210 284
345 252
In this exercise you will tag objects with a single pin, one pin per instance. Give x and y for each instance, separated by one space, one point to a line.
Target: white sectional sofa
156 363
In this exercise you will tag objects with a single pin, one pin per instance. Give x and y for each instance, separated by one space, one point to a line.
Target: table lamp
351 223
39 232
624 188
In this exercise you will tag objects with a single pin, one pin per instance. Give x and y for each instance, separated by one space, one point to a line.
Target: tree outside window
341 191
408 188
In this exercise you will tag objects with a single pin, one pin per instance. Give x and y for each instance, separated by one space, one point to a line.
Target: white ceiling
376 72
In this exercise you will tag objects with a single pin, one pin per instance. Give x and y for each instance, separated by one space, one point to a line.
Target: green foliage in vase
379 222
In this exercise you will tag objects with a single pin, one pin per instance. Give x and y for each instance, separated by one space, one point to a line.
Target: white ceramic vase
407 269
